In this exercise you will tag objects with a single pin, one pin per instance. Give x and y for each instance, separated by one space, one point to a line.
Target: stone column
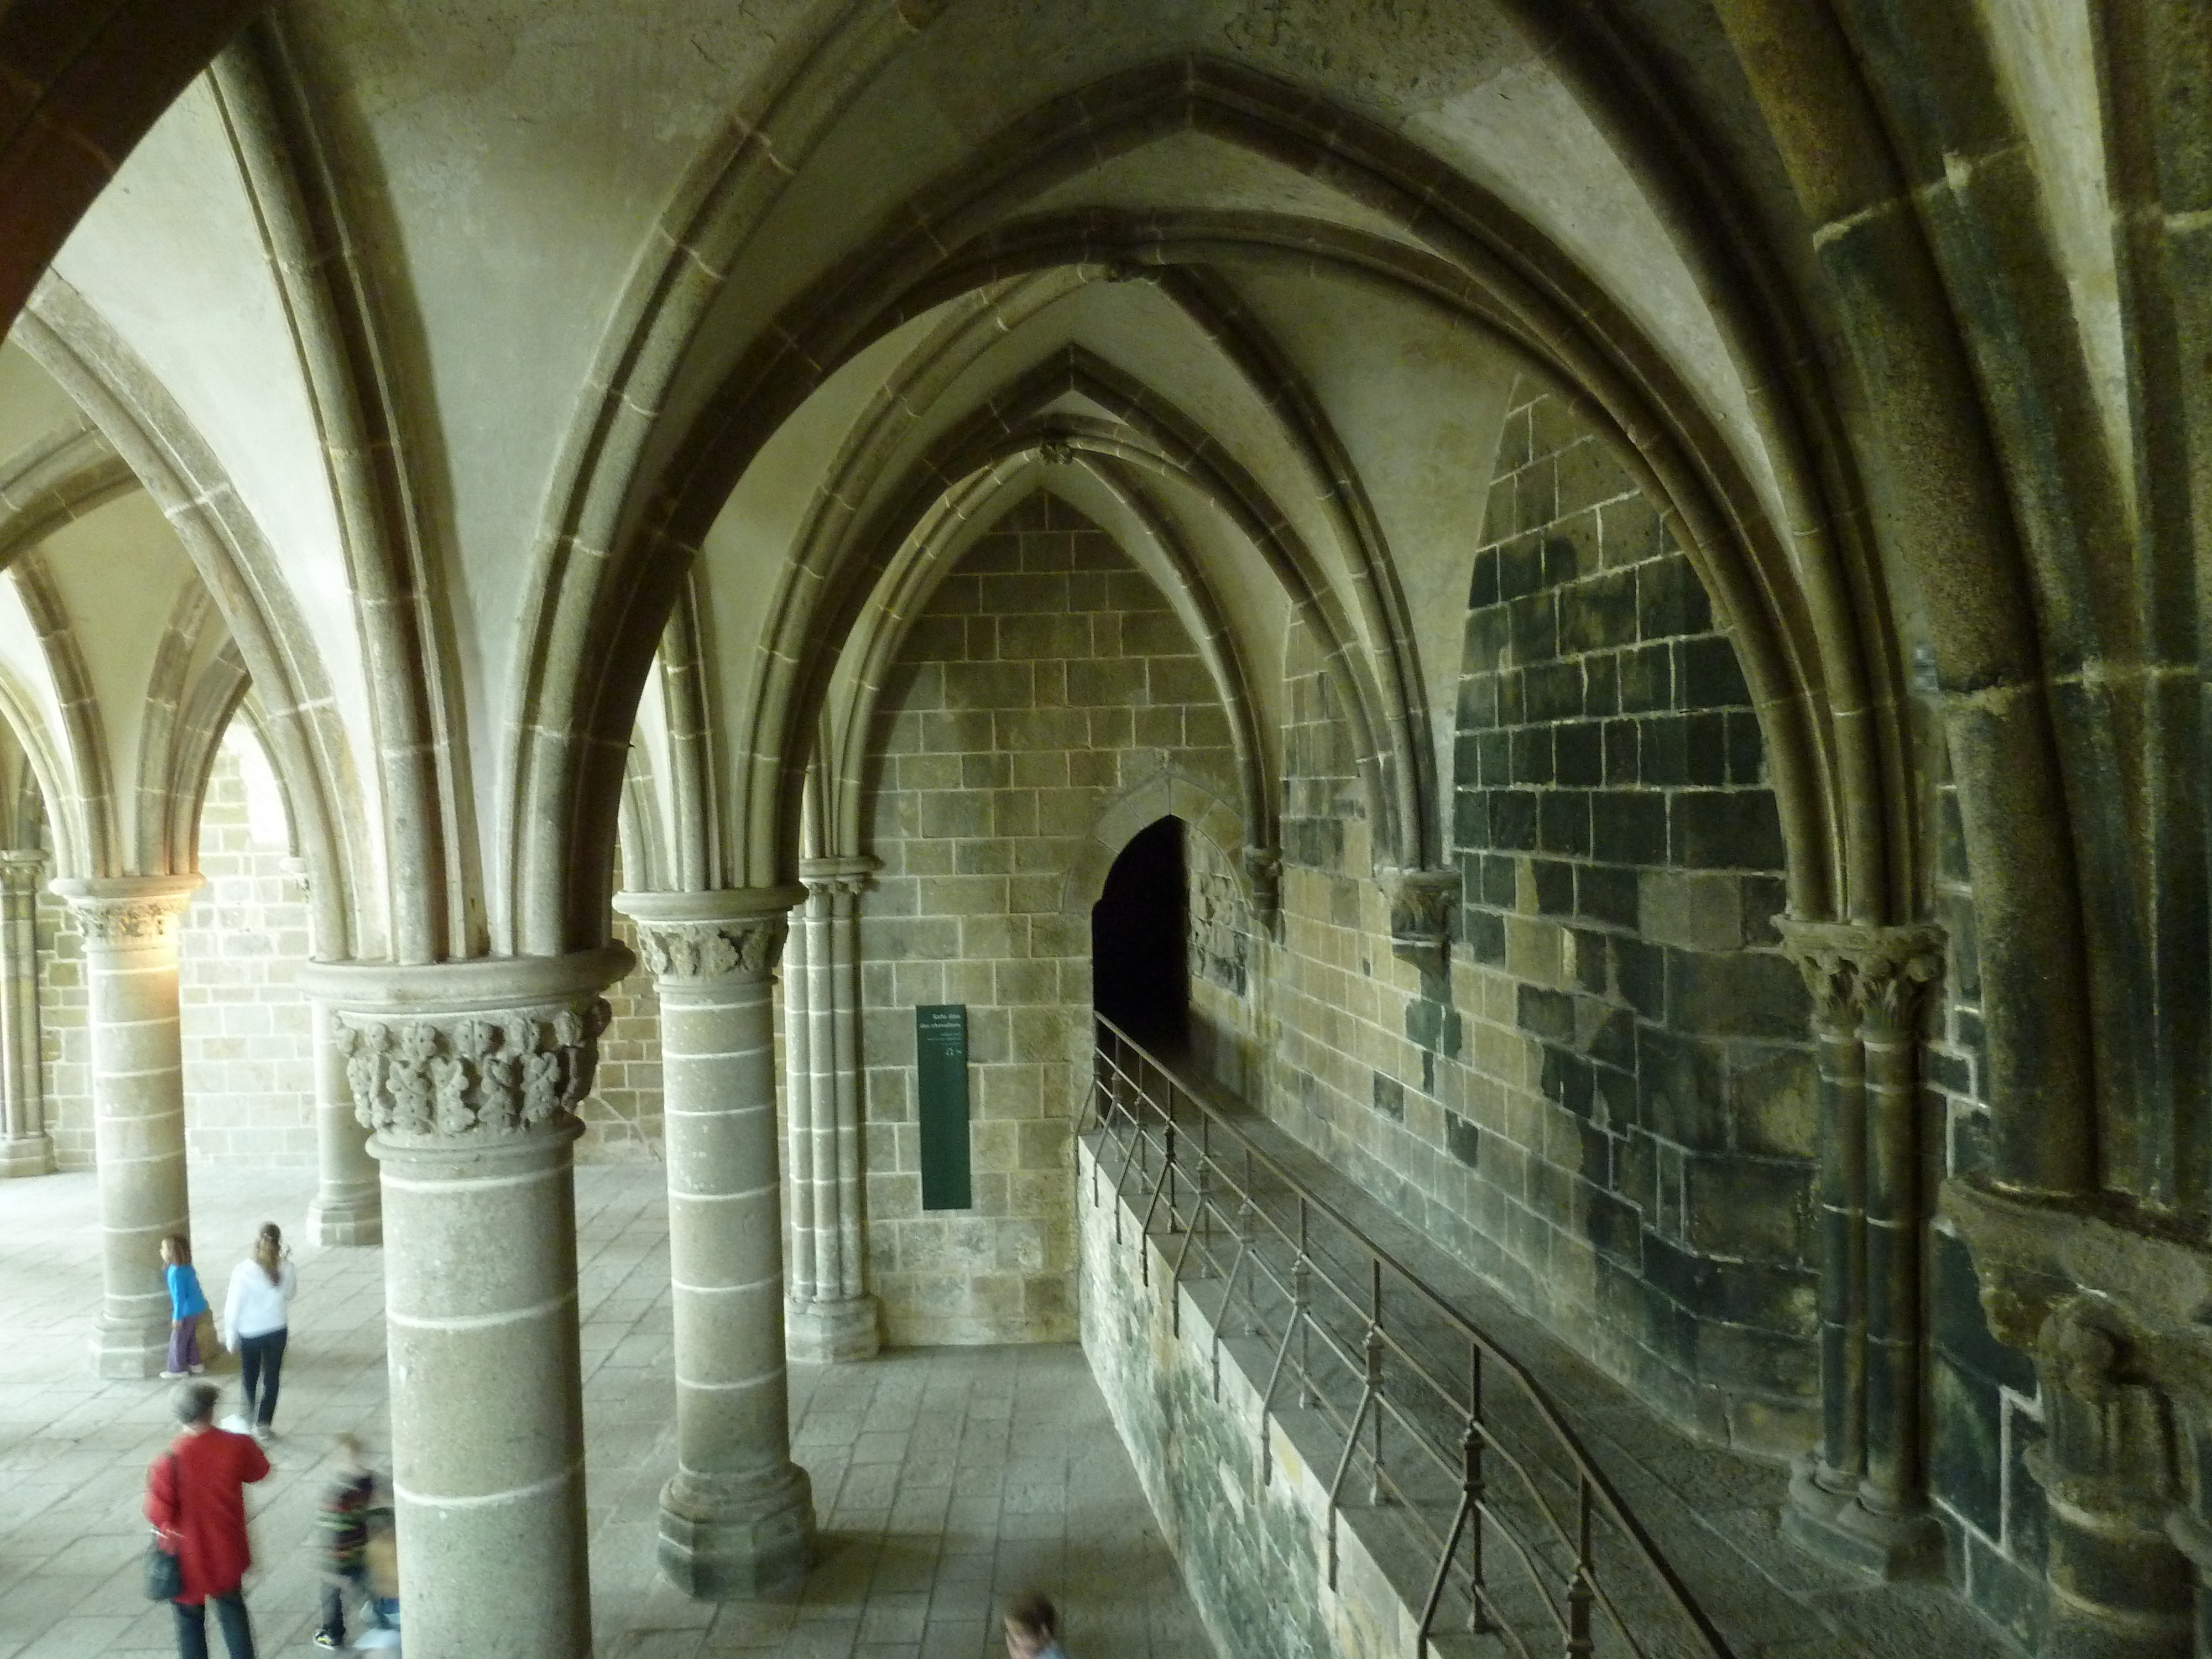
1862 1499
469 1073
737 1518
26 1148
130 926
829 1316
348 1207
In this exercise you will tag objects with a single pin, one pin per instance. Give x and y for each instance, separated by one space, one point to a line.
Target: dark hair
1033 1615
194 1402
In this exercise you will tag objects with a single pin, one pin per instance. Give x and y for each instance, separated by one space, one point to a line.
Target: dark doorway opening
1139 956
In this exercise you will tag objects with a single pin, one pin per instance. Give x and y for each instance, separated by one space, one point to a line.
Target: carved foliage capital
130 921
1263 873
1864 978
1422 905
2108 1441
470 1077
711 950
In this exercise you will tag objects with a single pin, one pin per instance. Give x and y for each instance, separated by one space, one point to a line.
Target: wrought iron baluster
1376 1491
1579 1593
1472 1450
1301 1299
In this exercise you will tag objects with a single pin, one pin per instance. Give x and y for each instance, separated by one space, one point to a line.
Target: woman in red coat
196 1498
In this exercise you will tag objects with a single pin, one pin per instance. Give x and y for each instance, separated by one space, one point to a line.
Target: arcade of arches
1638 568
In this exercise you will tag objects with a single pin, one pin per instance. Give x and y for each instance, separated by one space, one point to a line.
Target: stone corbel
1263 876
2107 1466
1424 903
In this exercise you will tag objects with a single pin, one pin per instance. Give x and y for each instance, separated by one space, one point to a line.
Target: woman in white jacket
254 1315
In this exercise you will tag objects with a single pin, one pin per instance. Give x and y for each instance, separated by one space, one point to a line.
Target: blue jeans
262 1360
229 1613
334 1589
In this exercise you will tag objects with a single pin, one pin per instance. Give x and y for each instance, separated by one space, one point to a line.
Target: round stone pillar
130 925
348 1207
469 1073
737 1518
26 1148
828 1317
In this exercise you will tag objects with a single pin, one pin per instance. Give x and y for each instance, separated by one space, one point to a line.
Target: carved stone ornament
1863 976
1423 906
125 922
711 950
468 1075
1263 872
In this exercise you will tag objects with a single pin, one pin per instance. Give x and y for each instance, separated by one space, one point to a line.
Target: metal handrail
1453 1424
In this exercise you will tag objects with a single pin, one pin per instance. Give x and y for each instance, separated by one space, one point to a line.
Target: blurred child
187 1302
345 1516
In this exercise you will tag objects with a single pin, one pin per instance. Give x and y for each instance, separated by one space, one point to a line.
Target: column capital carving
839 875
21 869
1423 904
1863 975
127 910
735 932
469 1053
1263 873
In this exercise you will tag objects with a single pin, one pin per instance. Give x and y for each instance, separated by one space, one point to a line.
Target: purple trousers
184 1345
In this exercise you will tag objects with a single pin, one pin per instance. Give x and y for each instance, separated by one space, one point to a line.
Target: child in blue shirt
187 1302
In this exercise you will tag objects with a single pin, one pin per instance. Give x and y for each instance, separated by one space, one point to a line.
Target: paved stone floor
946 1480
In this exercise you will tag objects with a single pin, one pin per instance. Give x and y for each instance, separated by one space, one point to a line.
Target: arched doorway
1139 956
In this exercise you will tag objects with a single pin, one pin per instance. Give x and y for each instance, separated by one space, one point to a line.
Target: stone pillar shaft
737 1515
26 1147
348 1207
1863 1500
131 927
832 1316
469 1073
1896 1217
1842 1241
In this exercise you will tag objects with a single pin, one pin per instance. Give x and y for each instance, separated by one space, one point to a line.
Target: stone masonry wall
1608 1109
1045 679
1253 1545
249 1073
622 1114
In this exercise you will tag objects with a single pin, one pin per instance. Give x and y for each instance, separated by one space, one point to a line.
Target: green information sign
940 1051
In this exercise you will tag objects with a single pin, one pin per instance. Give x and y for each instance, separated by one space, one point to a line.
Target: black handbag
165 1574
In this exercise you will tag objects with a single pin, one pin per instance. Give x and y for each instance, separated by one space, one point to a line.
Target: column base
347 1216
129 1348
730 1538
1839 1527
26 1155
832 1333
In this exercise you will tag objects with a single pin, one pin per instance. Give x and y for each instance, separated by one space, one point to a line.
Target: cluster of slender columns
829 1316
1862 1497
26 1147
737 1518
